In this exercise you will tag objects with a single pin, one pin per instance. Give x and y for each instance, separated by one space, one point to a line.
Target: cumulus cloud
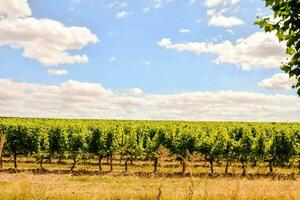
57 72
227 22
15 8
123 14
218 18
215 3
45 40
259 50
92 100
279 81
135 91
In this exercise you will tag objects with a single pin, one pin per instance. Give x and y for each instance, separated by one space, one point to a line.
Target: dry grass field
53 186
139 183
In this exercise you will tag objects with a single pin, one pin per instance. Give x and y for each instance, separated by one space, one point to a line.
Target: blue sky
151 46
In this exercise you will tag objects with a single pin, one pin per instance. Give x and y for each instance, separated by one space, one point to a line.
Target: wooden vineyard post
2 140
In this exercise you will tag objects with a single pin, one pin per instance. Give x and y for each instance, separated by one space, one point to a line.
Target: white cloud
57 72
135 91
279 81
227 22
184 30
217 14
155 4
211 12
45 40
123 14
92 100
118 4
160 3
167 43
15 8
215 3
259 50
217 18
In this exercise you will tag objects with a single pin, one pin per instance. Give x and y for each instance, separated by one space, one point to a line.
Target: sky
145 59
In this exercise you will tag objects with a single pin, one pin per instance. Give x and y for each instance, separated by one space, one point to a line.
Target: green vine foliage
287 28
277 144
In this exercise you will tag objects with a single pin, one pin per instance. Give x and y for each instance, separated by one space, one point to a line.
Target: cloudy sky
142 59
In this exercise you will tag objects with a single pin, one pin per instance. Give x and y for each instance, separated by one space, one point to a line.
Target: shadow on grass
83 172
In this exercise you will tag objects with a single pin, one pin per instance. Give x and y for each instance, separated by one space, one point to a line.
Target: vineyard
219 144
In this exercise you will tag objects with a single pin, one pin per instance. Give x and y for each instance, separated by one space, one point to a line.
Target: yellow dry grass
25 186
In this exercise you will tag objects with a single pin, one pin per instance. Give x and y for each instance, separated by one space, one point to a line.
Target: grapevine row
278 144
